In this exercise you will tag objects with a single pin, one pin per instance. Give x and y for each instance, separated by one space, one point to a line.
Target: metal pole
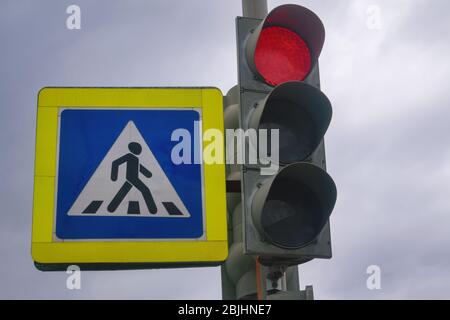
254 8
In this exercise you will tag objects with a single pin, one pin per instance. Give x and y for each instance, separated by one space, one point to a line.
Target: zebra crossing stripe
93 207
172 209
133 208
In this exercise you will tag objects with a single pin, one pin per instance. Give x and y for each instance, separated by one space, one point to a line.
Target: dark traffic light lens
298 131
291 209
281 55
292 216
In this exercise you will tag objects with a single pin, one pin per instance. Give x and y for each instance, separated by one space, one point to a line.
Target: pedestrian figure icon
129 181
133 168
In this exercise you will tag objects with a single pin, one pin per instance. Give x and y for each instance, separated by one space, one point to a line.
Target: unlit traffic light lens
301 113
292 216
281 55
298 133
292 208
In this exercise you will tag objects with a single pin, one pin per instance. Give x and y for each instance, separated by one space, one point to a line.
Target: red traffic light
286 45
281 56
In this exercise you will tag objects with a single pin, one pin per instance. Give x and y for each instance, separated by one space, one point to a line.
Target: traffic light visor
301 113
292 209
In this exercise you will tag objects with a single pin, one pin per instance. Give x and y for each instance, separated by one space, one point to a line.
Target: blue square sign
116 178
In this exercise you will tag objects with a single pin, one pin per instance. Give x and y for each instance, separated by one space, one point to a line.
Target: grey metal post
254 8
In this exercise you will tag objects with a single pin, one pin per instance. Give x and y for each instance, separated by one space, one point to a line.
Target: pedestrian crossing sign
110 188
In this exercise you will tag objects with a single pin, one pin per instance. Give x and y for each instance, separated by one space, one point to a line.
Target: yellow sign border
46 251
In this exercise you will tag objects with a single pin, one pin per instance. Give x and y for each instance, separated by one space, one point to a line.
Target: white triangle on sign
97 196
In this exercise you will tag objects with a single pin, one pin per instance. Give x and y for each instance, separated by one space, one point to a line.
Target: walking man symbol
133 168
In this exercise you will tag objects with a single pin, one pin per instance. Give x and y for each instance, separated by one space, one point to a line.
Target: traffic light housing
285 215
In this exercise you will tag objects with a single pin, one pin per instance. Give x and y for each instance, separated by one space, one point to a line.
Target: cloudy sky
387 147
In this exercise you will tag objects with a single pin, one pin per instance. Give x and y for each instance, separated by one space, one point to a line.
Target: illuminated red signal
281 55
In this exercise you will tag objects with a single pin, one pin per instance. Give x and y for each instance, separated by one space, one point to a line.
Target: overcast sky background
387 148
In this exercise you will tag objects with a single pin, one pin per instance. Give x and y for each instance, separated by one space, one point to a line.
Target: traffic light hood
292 208
301 112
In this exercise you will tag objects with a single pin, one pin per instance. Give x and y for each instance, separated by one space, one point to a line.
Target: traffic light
286 214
